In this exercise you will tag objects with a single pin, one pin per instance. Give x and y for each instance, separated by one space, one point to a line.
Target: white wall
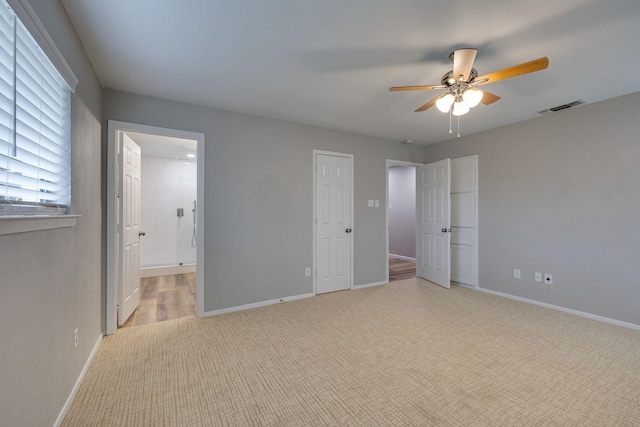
559 195
51 281
259 196
166 185
402 214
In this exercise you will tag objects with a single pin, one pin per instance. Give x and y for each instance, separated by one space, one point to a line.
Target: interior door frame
313 222
113 128
390 163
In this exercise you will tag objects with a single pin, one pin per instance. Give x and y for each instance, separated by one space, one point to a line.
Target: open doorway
401 220
168 202
158 276
463 226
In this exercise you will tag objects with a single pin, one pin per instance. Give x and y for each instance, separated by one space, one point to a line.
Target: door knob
348 230
141 233
446 230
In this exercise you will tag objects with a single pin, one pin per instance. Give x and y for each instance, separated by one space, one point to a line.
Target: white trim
76 386
370 285
28 16
200 223
406 258
23 224
560 308
464 285
388 164
255 305
313 222
112 163
167 270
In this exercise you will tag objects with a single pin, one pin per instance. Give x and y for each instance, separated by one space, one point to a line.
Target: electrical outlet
538 277
307 272
75 338
516 273
548 279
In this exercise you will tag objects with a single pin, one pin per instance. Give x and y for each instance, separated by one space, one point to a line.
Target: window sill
24 224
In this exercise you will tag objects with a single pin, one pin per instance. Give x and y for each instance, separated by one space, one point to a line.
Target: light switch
370 204
377 203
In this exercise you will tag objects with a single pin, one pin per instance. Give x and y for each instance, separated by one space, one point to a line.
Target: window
35 116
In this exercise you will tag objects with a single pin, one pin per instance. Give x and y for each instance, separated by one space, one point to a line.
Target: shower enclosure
168 216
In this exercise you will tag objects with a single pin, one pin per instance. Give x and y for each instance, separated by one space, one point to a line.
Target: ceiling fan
460 84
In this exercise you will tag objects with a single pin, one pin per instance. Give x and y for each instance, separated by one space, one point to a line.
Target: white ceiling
330 62
164 146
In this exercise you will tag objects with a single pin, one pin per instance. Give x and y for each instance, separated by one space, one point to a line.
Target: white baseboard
563 309
369 285
255 305
276 301
167 271
76 386
406 258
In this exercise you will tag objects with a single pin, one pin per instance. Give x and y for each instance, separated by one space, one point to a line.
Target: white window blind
35 111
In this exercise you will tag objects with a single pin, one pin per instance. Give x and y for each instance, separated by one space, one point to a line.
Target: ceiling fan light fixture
460 108
472 97
444 104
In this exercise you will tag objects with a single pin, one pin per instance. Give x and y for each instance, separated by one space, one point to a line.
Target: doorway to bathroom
153 273
168 205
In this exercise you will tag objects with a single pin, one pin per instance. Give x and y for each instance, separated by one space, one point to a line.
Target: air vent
562 107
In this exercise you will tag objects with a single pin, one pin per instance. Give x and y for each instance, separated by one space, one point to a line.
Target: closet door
464 188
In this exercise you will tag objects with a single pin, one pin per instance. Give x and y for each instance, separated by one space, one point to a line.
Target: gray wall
258 196
559 194
402 215
50 280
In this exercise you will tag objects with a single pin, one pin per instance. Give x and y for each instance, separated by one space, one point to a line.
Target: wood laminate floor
400 269
163 298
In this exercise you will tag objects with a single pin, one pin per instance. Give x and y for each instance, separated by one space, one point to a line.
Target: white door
464 219
433 222
129 229
333 223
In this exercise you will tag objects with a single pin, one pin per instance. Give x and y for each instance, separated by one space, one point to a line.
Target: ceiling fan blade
489 98
430 103
463 62
428 87
517 70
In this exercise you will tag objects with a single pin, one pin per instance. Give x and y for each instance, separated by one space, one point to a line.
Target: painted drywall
559 195
166 185
258 196
402 211
51 281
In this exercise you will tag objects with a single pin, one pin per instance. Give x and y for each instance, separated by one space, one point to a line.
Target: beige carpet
405 354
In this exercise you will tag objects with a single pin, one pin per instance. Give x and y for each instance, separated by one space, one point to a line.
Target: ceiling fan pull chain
450 109
458 126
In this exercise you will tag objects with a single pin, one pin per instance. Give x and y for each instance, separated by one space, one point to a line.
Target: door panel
462 264
433 216
463 212
464 220
129 289
333 224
